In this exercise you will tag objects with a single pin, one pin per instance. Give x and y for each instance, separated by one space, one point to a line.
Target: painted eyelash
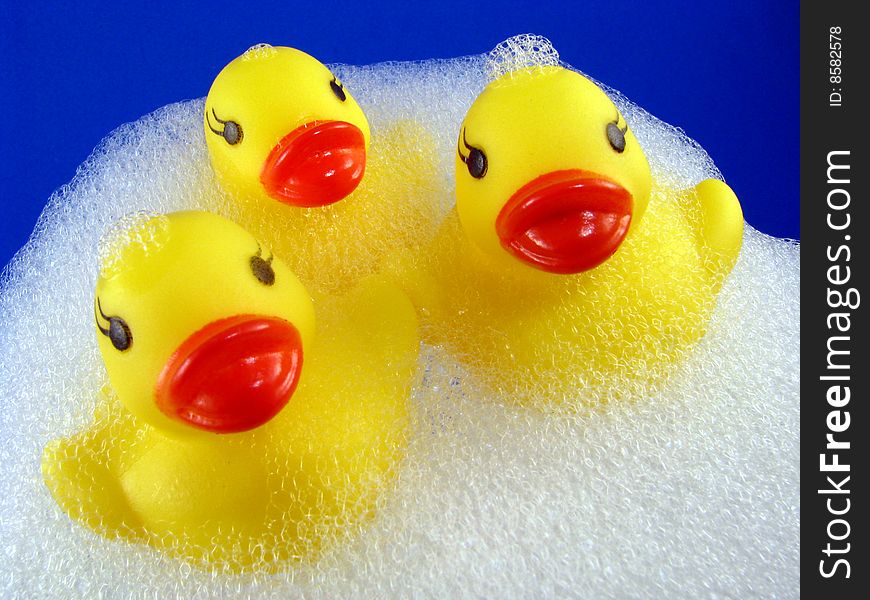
218 119
616 122
236 128
467 146
259 254
98 307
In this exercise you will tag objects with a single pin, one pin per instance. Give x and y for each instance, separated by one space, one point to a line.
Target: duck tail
720 226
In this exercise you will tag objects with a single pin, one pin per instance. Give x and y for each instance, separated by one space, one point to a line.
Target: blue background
725 72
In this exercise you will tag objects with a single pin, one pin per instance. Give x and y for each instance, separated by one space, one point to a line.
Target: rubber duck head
280 125
200 328
548 173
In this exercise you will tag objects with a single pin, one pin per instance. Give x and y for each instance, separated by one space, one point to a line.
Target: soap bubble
140 230
691 490
526 51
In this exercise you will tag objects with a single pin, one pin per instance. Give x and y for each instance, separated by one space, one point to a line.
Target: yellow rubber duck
565 271
234 434
294 152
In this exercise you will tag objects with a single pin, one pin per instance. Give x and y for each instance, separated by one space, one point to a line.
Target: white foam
692 492
519 53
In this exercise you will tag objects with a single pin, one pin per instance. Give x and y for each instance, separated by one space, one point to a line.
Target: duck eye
262 269
616 136
118 331
475 161
337 89
232 131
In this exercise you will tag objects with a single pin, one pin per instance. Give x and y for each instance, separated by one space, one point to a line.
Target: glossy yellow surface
243 500
548 338
534 122
269 92
192 268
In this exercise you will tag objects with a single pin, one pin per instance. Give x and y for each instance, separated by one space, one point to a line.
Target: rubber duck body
232 434
566 275
294 154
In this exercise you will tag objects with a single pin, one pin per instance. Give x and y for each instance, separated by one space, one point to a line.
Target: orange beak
232 375
565 221
316 164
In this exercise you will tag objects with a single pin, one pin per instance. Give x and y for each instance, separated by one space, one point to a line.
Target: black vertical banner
834 339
